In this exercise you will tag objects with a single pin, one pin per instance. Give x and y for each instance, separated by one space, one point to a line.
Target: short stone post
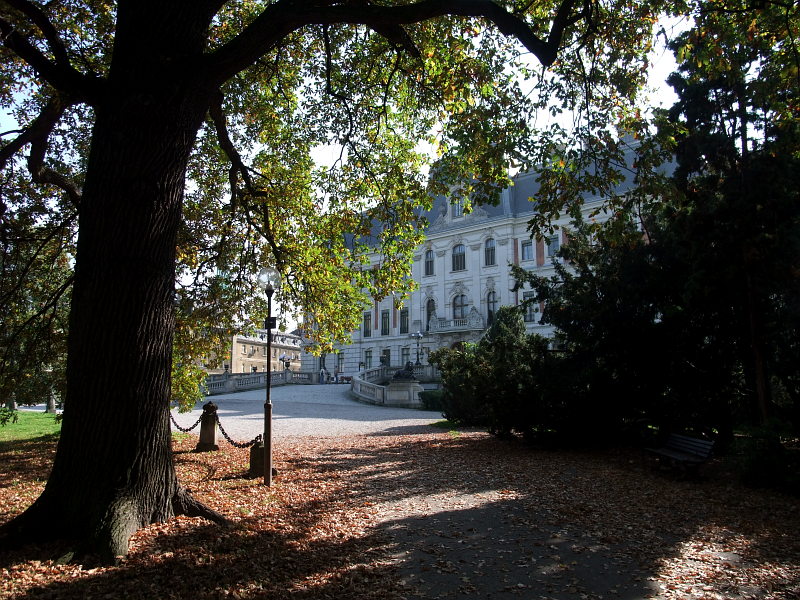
51 402
257 461
208 429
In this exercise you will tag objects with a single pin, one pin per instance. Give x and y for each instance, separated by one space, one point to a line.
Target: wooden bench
684 451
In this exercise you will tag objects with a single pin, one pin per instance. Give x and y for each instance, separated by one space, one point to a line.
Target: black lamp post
418 337
270 280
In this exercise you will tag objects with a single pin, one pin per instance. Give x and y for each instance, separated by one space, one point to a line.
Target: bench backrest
684 443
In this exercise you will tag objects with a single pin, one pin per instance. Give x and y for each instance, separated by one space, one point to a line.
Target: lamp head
269 279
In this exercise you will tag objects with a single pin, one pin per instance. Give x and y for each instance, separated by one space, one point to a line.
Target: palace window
489 253
491 307
429 262
367 324
384 322
405 355
460 307
553 245
529 316
527 250
459 257
404 320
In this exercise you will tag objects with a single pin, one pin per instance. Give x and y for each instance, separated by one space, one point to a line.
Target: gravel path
308 410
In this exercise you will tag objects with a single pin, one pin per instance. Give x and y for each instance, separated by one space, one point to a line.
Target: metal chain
252 442
186 429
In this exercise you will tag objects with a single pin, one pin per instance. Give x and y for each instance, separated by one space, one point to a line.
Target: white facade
462 271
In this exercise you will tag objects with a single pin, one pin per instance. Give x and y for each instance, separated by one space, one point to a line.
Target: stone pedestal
403 393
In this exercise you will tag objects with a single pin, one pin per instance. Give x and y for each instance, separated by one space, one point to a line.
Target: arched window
459 257
430 310
491 307
488 253
429 262
460 307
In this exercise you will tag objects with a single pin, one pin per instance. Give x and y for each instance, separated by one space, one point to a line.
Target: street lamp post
418 337
270 280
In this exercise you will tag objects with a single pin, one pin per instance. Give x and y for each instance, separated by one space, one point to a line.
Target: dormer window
458 207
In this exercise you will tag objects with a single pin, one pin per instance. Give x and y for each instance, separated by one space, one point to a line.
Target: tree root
183 503
39 525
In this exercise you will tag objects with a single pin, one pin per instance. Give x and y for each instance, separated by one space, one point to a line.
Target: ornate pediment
477 214
457 289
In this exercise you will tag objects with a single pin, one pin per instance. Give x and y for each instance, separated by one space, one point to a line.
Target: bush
432 399
765 461
463 400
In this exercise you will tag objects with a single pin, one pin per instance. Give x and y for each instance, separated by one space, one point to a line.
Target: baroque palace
463 275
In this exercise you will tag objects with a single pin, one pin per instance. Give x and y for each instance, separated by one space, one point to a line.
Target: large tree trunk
113 471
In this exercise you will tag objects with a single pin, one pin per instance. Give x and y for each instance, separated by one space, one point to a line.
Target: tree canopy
680 309
377 85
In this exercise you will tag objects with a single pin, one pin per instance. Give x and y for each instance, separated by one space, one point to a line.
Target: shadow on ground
473 515
440 515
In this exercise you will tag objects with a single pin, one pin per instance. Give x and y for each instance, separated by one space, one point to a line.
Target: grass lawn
30 425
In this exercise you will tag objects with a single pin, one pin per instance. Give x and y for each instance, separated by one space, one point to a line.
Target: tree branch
41 126
36 134
239 168
217 115
285 16
60 74
38 18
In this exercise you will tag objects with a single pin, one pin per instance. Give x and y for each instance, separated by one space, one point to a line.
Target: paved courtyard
308 410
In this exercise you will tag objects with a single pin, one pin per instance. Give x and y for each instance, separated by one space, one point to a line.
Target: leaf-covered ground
431 515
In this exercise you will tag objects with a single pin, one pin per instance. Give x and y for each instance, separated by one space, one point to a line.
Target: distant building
463 276
249 352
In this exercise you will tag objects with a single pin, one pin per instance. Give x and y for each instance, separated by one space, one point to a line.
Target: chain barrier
252 442
184 429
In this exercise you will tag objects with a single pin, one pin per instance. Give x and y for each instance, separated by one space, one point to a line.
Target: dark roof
516 200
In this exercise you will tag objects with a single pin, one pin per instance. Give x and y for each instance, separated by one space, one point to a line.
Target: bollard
208 429
257 461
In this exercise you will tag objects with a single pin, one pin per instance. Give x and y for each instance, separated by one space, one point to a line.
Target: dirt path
471 516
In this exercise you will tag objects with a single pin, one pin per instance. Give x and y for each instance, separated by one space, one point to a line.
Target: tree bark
113 471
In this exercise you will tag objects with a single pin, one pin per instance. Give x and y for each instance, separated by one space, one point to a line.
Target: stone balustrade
374 385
